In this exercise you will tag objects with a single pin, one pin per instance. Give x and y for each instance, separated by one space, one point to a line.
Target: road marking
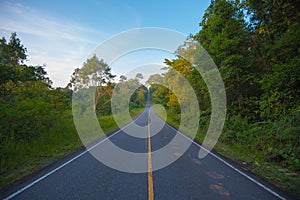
66 163
231 166
150 178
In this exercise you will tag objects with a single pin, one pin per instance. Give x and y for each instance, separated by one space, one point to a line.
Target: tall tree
12 52
95 73
225 36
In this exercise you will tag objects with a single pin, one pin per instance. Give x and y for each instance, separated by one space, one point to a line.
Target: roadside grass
108 123
19 159
246 155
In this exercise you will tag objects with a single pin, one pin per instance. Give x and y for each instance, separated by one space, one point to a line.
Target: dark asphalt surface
187 178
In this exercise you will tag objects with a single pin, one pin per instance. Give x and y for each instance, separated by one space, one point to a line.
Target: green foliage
267 141
31 109
36 122
12 52
159 94
93 73
138 98
226 38
132 89
259 62
275 49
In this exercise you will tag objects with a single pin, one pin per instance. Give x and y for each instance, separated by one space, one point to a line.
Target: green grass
247 155
19 159
23 158
108 123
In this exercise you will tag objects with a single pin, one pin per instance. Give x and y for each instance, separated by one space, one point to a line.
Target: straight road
84 177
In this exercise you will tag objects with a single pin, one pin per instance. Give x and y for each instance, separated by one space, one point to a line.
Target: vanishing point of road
84 177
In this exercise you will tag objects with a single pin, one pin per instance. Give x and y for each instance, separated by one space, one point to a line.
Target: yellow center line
150 178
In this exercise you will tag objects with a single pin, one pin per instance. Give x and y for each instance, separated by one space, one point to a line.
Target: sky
62 34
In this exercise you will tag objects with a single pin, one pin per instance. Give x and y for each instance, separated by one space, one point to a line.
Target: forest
255 45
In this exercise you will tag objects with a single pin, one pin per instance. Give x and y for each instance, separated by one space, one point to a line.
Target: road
84 177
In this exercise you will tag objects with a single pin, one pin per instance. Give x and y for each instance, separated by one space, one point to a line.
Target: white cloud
61 44
64 45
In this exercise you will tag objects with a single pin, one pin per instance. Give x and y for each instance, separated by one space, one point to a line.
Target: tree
225 36
96 74
275 49
12 53
122 79
154 79
29 106
139 76
93 73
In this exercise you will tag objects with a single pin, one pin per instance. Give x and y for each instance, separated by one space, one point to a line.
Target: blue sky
62 34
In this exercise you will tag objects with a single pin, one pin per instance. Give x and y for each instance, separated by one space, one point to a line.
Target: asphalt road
84 177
